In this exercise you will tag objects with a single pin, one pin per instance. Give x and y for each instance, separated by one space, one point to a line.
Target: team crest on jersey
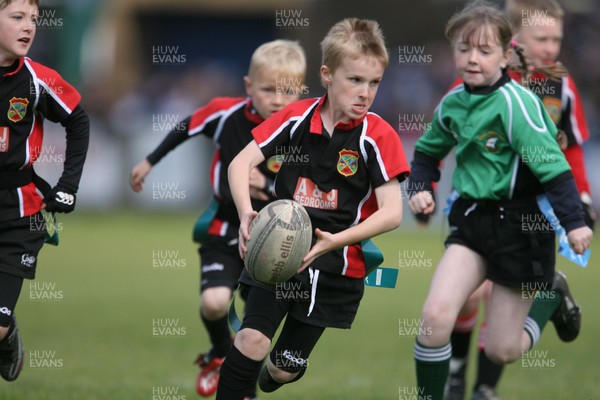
274 164
347 164
17 109
491 141
4 136
553 107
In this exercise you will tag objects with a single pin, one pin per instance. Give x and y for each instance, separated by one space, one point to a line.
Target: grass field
113 314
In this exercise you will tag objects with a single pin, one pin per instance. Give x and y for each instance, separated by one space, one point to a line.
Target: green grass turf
96 340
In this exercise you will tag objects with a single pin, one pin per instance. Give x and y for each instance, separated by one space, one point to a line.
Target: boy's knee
287 363
252 343
272 377
280 375
215 303
213 310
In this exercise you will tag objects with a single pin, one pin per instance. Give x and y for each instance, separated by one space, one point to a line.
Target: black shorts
220 262
313 297
10 289
20 242
513 236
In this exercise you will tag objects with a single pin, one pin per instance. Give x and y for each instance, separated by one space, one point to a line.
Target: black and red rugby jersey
333 176
29 93
228 122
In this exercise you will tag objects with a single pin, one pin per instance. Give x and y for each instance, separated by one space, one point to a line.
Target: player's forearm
239 182
178 135
383 220
239 176
387 217
563 196
77 127
424 172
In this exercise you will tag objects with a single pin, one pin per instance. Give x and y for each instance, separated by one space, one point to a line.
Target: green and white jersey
505 141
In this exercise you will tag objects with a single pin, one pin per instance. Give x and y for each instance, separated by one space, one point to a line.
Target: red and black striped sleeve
204 120
56 98
58 101
385 155
278 129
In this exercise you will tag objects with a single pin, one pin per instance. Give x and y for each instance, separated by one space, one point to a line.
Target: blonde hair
549 8
280 56
353 37
515 8
6 3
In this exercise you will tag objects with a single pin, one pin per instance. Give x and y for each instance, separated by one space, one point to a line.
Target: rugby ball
280 237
